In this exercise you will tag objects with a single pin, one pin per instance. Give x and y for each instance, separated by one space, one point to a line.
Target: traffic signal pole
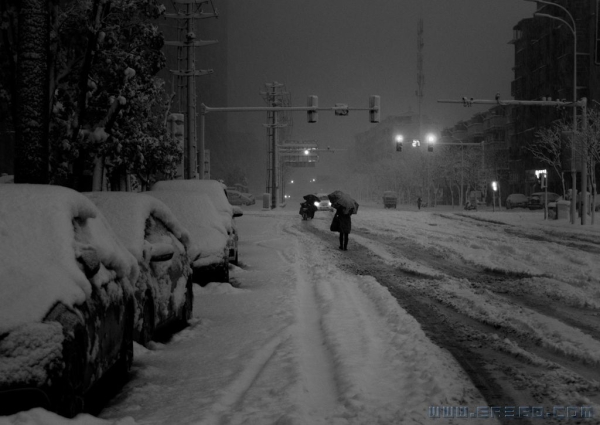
558 103
338 109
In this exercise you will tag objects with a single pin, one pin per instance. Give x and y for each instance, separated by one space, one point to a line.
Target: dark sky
345 50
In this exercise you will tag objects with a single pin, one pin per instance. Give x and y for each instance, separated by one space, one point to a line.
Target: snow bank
43 417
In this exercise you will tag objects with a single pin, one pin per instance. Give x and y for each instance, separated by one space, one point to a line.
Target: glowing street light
431 139
399 140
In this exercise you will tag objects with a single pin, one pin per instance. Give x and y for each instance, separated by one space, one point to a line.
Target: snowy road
431 316
301 341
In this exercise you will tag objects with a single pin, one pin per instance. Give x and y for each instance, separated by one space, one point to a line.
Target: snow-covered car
515 200
238 198
538 199
216 192
324 203
66 299
251 197
208 251
150 231
6 178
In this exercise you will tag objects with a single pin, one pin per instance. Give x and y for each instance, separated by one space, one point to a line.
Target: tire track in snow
318 390
236 389
385 368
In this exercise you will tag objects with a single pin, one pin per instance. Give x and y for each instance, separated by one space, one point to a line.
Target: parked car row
534 201
83 276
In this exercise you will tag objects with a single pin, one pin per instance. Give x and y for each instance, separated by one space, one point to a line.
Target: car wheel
222 274
123 365
188 307
147 331
68 396
508 206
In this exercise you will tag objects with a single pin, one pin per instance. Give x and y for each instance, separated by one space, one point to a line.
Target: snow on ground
301 341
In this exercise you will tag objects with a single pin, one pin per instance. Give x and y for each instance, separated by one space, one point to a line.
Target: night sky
345 50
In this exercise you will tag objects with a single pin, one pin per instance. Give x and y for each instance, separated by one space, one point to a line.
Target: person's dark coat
345 222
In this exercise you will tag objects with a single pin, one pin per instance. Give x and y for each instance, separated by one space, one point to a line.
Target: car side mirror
237 212
161 252
89 260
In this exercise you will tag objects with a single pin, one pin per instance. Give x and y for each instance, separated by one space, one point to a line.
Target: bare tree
548 147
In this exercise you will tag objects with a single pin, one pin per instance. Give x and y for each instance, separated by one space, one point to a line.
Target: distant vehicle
515 200
150 231
66 300
238 198
251 197
209 251
216 192
390 199
324 203
538 199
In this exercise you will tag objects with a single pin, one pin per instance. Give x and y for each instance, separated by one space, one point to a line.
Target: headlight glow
316 204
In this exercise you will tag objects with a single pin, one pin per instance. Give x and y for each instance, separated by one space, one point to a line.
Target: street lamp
495 189
573 27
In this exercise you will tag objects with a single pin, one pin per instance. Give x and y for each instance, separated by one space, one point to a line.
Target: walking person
344 227
419 200
344 206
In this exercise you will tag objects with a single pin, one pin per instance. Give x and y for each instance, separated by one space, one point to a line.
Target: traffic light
543 181
341 109
399 140
313 115
374 111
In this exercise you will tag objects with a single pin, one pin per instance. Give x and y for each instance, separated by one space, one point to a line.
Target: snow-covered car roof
42 230
127 212
199 216
213 188
6 178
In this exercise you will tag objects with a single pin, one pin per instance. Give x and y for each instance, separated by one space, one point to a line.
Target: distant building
543 68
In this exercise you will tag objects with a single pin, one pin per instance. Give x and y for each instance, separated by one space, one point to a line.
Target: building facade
544 69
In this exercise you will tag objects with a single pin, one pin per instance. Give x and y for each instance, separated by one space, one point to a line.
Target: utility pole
420 76
420 92
274 95
186 72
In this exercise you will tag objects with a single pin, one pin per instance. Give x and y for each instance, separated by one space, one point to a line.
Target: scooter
306 212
